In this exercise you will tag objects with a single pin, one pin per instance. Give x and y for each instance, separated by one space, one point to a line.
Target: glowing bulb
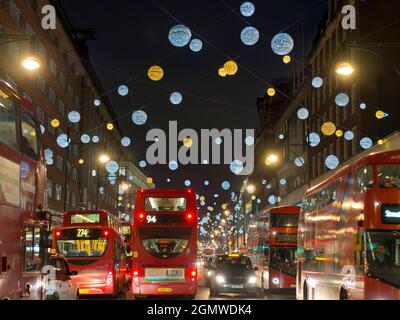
31 64
287 59
55 123
110 126
271 92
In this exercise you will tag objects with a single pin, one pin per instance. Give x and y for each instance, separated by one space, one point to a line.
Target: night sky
132 35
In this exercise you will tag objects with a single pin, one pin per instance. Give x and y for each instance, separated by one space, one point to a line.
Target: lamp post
103 159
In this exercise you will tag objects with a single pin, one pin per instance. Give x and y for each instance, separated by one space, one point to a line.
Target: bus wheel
305 291
343 294
77 295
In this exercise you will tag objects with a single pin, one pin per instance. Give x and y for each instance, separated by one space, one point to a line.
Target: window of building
319 163
354 98
40 115
61 107
53 68
42 52
49 188
73 199
339 148
58 194
14 12
13 50
41 83
52 97
338 117
60 163
354 145
62 80
33 249
29 136
8 127
50 128
70 91
74 174
28 30
345 150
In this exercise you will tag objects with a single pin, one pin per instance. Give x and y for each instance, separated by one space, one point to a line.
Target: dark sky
132 35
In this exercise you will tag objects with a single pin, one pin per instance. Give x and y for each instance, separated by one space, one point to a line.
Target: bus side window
29 136
364 179
8 124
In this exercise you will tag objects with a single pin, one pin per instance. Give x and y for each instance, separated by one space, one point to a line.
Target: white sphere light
176 98
342 100
250 36
317 82
196 45
299 161
349 135
142 164
125 141
42 129
272 200
225 185
179 35
97 102
282 182
85 138
173 165
123 90
363 106
188 183
49 161
63 141
139 117
332 162
112 167
249 140
247 9
303 114
236 167
74 117
95 139
206 183
313 139
366 143
282 44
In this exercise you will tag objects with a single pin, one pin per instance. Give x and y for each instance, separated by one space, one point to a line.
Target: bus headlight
220 279
252 280
275 281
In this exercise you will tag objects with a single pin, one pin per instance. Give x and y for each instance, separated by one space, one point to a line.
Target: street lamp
31 63
271 159
104 158
251 189
344 69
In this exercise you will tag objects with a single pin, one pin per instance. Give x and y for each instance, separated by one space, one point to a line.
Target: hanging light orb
206 183
342 100
317 82
281 137
250 36
74 117
249 141
63 141
303 114
344 69
176 98
332 162
42 129
173 165
125 141
202 198
95 139
225 185
155 73
149 180
363 106
142 164
85 138
218 140
271 92
139 117
282 44
196 45
236 167
188 183
283 182
81 161
381 142
299 161
188 142
221 72
231 67
366 143
247 9
313 139
349 135
110 126
123 90
287 59
112 167
328 128
381 114
253 197
55 123
339 133
272 200
97 102
179 35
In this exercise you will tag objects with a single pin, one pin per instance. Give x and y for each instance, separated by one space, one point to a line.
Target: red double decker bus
272 244
349 232
165 243
93 246
23 237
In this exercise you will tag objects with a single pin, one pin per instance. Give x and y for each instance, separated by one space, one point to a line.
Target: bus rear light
106 233
135 273
110 277
141 216
189 216
58 233
193 273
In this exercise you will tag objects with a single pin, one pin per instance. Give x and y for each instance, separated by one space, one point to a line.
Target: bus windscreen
165 204
85 218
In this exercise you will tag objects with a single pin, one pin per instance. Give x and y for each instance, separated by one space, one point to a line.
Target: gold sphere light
149 180
253 197
188 142
155 73
81 161
202 198
339 133
287 59
222 72
271 92
328 128
381 142
110 126
380 114
55 123
231 67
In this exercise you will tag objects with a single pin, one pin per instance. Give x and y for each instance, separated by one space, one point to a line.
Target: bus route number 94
151 219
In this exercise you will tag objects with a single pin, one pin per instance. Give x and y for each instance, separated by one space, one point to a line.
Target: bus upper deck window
29 136
389 177
364 179
8 127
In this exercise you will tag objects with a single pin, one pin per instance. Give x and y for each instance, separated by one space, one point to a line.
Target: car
58 281
233 273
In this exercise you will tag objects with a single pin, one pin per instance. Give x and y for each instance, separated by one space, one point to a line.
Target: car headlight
275 281
252 280
209 273
220 279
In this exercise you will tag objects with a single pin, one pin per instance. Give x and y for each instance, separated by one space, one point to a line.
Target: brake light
135 273
58 233
106 233
193 273
141 216
189 216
